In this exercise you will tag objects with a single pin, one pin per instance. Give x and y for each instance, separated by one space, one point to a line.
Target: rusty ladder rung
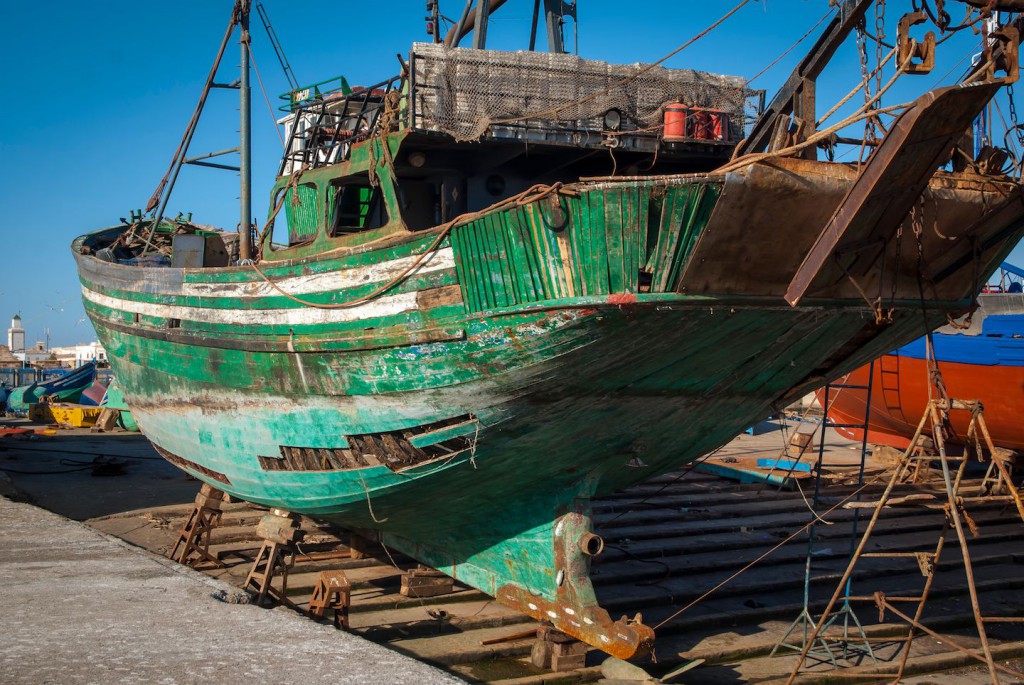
871 598
908 555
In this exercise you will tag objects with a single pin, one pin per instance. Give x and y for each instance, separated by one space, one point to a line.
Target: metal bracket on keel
575 610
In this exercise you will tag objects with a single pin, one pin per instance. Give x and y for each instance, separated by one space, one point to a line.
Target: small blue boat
65 388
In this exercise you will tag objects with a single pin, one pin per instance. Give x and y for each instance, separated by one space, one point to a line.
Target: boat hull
582 393
988 367
462 393
66 388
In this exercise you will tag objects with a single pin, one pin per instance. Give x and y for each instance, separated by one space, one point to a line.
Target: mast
245 138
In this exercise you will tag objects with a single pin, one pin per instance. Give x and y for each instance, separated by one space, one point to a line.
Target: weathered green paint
571 347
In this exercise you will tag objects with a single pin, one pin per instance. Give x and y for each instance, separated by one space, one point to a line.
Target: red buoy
675 122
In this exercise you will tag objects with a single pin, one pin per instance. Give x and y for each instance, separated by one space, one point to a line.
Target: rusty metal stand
852 630
280 531
936 417
332 592
194 539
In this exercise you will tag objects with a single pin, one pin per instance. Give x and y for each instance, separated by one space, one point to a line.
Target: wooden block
540 654
106 421
209 498
802 440
557 651
425 583
886 455
279 529
562 661
358 546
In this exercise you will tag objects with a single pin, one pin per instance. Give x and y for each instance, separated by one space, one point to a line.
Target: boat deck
668 541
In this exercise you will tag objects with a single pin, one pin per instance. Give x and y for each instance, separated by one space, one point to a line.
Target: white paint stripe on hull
302 316
343 279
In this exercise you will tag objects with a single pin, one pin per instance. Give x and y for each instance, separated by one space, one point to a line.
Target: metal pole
245 142
483 15
533 26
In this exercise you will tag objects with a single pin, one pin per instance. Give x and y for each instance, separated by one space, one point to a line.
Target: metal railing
324 128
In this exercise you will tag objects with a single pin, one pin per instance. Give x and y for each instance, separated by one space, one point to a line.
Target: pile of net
463 92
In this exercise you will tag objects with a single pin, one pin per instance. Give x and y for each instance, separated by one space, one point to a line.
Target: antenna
276 44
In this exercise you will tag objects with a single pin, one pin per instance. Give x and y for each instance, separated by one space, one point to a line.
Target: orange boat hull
900 393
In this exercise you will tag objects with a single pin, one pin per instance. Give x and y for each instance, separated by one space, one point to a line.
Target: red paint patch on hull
622 298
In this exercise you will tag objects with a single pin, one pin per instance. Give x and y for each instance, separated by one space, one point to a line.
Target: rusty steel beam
797 94
891 183
1000 5
466 24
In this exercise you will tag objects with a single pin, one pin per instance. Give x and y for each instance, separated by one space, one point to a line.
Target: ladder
817 645
934 421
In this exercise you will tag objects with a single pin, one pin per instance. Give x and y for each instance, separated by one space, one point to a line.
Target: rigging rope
266 98
791 47
618 84
747 160
531 194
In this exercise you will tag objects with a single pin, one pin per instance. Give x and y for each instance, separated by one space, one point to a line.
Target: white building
36 353
16 336
76 355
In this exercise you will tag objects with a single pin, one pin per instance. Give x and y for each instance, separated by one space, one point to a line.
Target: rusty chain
1015 124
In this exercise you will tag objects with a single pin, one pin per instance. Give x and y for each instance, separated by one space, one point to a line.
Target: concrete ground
54 471
82 607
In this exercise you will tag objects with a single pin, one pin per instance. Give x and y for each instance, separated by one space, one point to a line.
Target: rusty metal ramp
920 141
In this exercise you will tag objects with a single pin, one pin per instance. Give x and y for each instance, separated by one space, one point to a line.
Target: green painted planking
673 209
303 212
697 219
514 257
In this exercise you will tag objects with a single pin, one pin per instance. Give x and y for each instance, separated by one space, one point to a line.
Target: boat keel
575 610
539 565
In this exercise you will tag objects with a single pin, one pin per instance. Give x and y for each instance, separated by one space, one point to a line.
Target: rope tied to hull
532 194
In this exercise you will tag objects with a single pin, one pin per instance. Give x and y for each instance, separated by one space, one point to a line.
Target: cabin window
356 206
420 203
298 220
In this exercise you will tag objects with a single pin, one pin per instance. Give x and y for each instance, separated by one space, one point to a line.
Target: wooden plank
674 209
598 276
463 268
614 239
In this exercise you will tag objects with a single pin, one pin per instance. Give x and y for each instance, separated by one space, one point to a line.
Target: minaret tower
16 335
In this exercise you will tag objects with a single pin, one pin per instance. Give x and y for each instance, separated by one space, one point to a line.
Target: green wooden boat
473 325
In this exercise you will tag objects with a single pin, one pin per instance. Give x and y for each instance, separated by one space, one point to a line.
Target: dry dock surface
668 542
82 607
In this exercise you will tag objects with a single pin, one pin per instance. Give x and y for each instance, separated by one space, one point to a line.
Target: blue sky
99 94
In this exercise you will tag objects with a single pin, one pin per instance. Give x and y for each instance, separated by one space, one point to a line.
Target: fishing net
463 92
